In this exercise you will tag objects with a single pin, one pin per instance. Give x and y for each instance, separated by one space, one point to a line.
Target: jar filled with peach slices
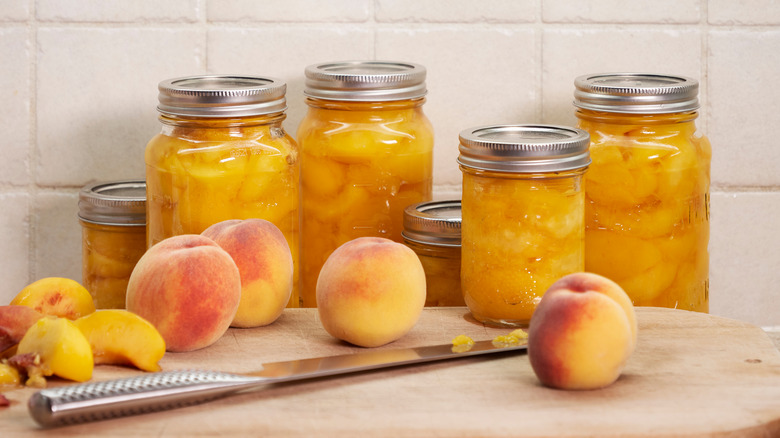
522 216
432 231
222 154
647 191
366 154
113 238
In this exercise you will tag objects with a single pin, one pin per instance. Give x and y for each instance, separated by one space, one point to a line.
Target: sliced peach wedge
120 337
56 296
54 346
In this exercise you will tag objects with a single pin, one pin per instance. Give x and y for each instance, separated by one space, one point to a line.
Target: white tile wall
78 84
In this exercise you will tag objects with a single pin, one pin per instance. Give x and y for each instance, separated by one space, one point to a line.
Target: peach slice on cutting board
56 296
54 346
122 338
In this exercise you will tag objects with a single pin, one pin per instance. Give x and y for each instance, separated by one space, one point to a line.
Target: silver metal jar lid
434 222
114 203
636 93
365 81
222 96
524 148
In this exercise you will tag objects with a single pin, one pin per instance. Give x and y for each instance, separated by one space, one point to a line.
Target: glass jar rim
636 93
365 81
113 203
433 223
525 148
222 96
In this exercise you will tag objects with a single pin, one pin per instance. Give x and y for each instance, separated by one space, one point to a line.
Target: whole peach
188 288
582 332
370 291
265 263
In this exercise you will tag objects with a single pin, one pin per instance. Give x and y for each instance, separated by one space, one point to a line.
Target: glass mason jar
523 207
647 191
366 154
432 231
222 154
113 238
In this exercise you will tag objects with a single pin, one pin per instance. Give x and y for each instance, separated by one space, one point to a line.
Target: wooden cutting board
691 375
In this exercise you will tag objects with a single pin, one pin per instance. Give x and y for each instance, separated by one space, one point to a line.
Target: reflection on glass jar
647 191
523 208
432 231
113 238
366 154
222 154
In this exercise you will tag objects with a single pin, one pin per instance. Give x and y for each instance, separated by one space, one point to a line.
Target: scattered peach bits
52 329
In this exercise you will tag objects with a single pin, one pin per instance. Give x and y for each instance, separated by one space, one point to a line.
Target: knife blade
166 390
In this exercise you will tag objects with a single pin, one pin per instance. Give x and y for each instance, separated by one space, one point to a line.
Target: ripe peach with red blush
265 263
582 332
188 288
370 291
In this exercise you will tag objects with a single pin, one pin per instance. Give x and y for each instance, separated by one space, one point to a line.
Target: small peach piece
14 322
581 333
265 262
370 291
188 288
56 296
62 348
122 338
9 376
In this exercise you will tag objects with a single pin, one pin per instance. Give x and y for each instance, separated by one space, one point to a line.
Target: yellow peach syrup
366 154
647 191
113 230
522 216
222 154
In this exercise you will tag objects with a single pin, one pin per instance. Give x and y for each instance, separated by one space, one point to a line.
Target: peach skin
188 288
265 263
370 291
581 333
14 322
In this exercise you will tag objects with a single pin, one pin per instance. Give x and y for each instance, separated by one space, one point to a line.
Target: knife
173 389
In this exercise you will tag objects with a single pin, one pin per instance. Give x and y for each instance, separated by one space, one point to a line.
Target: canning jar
432 231
113 238
366 154
523 208
647 191
222 154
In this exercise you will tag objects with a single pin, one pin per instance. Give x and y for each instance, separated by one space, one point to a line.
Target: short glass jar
222 154
523 207
366 154
432 231
113 238
647 191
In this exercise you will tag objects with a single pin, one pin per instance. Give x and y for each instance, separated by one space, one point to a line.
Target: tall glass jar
523 207
366 154
647 191
432 231
113 238
222 154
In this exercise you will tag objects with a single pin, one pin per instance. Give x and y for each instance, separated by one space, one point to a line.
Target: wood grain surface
691 375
